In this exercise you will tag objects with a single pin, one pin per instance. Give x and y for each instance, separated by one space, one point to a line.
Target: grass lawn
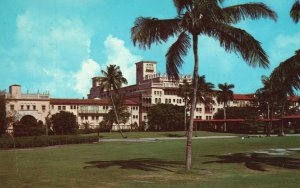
158 134
216 163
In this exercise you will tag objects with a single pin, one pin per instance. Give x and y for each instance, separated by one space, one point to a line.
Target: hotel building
150 88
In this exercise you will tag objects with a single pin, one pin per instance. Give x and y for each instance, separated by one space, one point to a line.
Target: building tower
145 70
15 91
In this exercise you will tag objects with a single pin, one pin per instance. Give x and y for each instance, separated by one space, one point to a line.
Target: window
59 107
43 107
64 107
174 100
82 118
71 107
166 101
93 117
170 101
97 118
86 117
145 117
22 107
28 107
12 107
156 100
33 107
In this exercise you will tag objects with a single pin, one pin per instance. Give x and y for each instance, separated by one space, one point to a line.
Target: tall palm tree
225 95
286 77
295 11
112 80
184 91
202 17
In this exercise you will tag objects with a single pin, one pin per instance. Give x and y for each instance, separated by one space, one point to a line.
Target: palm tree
225 95
184 91
295 11
286 78
202 17
204 91
112 80
267 95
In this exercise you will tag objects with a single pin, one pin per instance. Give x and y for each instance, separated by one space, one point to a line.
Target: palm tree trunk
185 128
282 121
188 159
225 117
270 123
112 100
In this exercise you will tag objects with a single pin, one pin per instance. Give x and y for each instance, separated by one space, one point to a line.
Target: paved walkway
183 138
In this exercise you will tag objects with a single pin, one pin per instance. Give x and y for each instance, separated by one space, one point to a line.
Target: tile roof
87 102
243 96
293 98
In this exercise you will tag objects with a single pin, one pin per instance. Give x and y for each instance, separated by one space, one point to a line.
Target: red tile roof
293 98
243 96
87 102
219 120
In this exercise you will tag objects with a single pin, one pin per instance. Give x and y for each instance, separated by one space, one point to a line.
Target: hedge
6 142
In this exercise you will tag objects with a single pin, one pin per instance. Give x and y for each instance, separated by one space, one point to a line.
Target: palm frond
250 10
225 94
287 75
182 5
152 30
237 40
175 54
295 11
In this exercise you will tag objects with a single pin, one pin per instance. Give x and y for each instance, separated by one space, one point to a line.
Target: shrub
64 123
42 141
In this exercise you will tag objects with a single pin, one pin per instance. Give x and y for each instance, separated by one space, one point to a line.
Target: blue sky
59 45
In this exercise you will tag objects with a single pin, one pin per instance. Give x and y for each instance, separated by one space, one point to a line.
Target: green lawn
216 163
159 134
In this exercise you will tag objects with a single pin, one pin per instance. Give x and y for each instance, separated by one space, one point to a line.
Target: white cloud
283 41
118 54
53 52
89 69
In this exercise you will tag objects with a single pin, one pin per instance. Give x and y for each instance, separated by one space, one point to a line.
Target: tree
202 17
119 114
165 117
185 91
295 11
64 123
3 123
112 80
224 95
204 91
249 114
266 98
286 80
28 126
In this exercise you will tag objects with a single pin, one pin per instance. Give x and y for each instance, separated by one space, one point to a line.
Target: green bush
64 123
166 117
42 141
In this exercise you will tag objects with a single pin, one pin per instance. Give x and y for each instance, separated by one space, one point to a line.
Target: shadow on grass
173 135
145 164
256 161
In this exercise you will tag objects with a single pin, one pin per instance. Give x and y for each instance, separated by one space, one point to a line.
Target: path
183 138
